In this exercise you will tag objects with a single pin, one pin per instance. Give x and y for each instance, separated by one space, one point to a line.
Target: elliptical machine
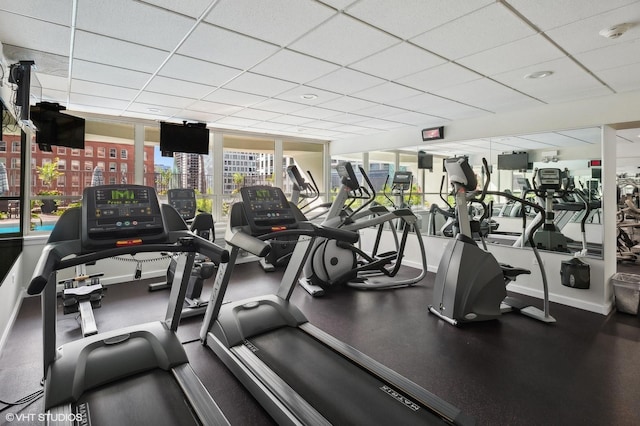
470 284
333 263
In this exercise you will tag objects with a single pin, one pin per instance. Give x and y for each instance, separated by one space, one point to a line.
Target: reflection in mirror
514 163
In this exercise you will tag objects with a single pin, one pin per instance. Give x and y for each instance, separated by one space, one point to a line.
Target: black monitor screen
190 138
516 161
57 128
425 161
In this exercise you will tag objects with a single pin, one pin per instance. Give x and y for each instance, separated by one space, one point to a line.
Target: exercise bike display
470 284
334 263
110 377
297 372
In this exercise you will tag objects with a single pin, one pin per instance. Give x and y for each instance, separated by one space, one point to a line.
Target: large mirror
513 163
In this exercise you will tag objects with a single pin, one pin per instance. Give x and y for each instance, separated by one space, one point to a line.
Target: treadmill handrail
53 255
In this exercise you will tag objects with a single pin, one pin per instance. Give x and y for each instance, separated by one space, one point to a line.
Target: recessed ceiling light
309 96
539 74
154 110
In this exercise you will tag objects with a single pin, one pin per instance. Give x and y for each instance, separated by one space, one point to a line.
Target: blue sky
159 159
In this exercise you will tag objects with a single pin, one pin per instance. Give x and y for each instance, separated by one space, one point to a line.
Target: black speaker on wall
425 161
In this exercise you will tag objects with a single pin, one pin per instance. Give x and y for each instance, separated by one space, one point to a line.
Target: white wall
10 298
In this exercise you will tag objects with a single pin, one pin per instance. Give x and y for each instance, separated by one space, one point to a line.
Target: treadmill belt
148 398
343 392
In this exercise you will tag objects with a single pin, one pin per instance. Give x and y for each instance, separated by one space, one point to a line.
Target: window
88 151
75 181
101 164
113 153
123 154
113 167
75 165
15 146
62 164
145 155
75 152
112 180
123 167
33 147
88 166
101 152
62 180
61 150
3 146
15 163
46 161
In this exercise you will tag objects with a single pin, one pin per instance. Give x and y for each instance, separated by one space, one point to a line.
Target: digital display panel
120 211
433 133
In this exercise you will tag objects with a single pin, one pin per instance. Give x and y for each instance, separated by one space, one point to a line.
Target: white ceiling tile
232 97
315 112
105 50
613 56
256 114
583 35
197 71
42 36
150 110
40 10
293 66
412 17
397 61
291 120
355 40
225 47
547 14
386 93
321 124
346 81
96 101
588 135
622 79
487 95
380 124
175 87
99 73
511 56
567 82
271 126
415 119
283 18
202 117
192 8
130 21
237 121
481 30
259 84
381 111
103 90
347 104
295 95
214 107
52 81
346 118
277 105
163 100
439 77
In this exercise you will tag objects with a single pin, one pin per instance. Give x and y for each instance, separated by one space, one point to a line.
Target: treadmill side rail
201 401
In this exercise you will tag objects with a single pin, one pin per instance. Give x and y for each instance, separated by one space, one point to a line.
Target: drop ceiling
325 70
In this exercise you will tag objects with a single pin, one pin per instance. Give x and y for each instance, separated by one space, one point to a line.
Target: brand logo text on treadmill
406 401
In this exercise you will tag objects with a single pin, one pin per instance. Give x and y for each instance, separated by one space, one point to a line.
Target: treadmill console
296 177
402 180
548 179
117 215
267 209
184 201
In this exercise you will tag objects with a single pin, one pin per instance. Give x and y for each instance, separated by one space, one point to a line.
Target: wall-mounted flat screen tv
515 161
187 137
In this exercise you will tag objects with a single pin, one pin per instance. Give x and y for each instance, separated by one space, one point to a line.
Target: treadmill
297 372
138 374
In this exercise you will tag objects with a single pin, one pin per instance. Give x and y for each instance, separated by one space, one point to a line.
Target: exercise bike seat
511 272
